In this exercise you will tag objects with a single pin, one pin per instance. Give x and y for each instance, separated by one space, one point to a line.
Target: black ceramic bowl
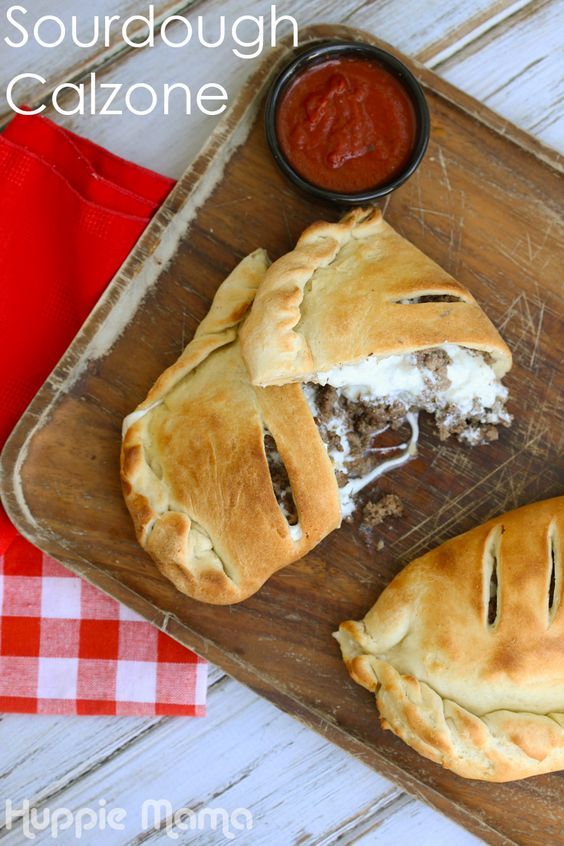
332 50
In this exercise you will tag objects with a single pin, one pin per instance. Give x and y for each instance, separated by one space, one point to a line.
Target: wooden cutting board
484 204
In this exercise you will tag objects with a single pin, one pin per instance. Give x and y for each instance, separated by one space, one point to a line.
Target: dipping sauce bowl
347 122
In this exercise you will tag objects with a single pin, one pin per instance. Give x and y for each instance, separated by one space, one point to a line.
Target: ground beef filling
353 425
359 422
433 366
280 481
374 513
353 431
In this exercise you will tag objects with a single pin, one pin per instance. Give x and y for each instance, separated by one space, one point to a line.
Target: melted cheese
400 378
354 486
296 532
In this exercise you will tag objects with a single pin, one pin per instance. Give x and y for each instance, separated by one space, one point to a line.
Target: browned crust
334 300
486 701
194 471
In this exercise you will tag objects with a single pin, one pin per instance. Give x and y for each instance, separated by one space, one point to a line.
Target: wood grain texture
447 211
169 143
543 60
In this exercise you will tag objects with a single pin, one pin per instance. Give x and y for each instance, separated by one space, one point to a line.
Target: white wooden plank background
62 64
299 788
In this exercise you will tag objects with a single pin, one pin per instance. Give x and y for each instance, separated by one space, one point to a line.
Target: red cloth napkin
70 212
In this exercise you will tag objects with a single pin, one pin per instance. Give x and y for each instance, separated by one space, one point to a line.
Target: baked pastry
377 331
464 650
226 483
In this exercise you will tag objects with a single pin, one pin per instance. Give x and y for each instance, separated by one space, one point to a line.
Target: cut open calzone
204 453
378 332
464 650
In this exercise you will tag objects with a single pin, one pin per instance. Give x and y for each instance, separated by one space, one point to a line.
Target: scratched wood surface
473 183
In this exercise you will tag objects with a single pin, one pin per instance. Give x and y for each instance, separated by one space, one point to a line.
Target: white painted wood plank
198 763
471 30
35 748
441 22
415 822
67 61
421 32
246 753
525 77
41 754
169 142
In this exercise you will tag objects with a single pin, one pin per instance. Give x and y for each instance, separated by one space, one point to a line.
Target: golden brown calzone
194 467
355 289
378 332
464 650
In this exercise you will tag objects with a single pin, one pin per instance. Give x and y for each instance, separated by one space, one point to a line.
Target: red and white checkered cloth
67 648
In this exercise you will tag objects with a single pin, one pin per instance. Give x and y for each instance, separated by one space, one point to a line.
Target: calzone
376 331
226 483
464 650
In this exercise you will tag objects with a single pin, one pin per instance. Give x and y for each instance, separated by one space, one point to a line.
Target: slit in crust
282 486
431 298
491 579
555 573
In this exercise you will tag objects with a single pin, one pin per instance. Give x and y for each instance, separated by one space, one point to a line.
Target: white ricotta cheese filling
296 532
473 389
399 378
294 529
472 392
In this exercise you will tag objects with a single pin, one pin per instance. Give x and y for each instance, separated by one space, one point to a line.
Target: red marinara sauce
347 125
